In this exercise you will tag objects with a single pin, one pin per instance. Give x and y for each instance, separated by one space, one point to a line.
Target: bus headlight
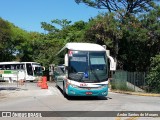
104 93
74 86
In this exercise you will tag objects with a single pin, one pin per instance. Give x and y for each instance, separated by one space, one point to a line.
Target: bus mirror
104 47
66 60
43 68
108 52
112 64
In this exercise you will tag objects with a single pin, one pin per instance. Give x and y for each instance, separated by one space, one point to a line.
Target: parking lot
30 97
8 90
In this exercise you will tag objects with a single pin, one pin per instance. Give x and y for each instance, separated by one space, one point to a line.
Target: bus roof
83 47
15 62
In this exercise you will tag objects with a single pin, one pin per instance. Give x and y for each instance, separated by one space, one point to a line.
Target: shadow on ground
9 88
87 98
84 97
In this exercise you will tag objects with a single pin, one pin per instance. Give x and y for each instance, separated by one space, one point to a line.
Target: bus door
29 69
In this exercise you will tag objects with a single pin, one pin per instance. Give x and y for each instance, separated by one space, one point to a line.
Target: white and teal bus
85 70
28 71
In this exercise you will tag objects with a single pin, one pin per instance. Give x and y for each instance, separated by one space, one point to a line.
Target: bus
85 70
28 71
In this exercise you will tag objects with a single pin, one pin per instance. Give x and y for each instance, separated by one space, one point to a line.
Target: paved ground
28 89
17 90
30 97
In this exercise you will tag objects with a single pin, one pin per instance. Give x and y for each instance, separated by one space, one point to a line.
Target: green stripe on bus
7 72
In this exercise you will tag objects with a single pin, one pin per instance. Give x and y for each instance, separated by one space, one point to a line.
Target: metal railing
125 80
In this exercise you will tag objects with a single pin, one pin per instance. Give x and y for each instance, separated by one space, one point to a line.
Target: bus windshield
87 66
37 69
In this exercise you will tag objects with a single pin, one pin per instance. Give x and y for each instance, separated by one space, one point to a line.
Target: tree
123 10
126 31
140 41
75 32
55 39
128 6
104 30
132 47
63 23
52 27
63 31
151 22
5 41
48 27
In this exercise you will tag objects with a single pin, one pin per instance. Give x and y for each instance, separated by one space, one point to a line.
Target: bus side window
0 67
21 67
4 67
12 67
29 69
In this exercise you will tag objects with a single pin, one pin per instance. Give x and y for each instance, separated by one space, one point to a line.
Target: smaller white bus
28 71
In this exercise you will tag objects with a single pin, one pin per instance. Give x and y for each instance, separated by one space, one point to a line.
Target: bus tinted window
12 67
29 69
78 62
87 66
38 71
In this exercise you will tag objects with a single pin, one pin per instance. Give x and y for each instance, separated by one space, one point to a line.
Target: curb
136 93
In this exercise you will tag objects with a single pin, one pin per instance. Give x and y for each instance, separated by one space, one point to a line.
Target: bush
153 78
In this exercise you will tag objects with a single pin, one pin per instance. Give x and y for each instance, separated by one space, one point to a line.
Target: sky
28 14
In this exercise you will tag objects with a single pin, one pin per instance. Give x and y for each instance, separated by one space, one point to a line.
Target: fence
125 80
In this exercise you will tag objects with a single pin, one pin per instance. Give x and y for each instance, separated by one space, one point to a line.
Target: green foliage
63 23
6 45
153 78
21 42
139 35
46 46
104 29
48 27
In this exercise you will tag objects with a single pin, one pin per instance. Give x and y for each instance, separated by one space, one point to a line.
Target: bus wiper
95 75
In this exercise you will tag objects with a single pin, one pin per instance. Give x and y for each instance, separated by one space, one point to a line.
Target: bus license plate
88 93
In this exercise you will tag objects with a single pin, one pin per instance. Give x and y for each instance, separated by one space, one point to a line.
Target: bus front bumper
75 91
